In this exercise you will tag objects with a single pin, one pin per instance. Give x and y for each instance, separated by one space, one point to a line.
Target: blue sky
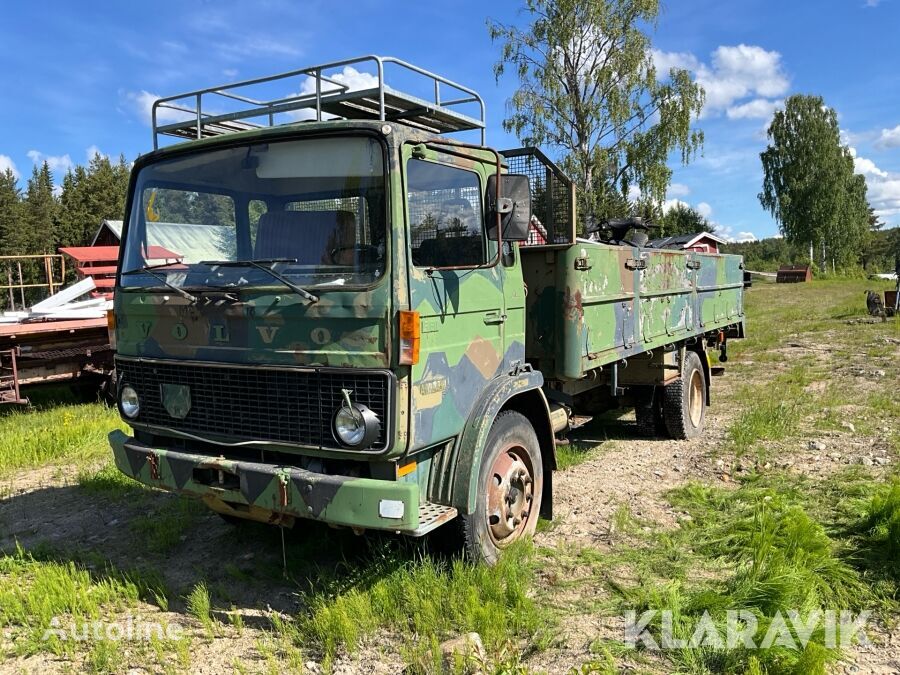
78 80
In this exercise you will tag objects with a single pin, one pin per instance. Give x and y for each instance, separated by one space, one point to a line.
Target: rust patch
573 308
282 493
153 461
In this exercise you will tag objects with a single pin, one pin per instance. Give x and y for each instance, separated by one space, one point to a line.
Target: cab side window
446 218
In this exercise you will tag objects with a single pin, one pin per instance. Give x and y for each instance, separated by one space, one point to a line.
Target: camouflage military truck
328 309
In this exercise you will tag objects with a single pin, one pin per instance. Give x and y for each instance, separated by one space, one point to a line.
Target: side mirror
514 207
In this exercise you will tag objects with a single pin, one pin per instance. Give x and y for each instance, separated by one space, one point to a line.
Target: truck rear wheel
510 485
684 400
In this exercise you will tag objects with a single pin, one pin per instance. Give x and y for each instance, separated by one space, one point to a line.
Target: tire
684 400
510 486
648 413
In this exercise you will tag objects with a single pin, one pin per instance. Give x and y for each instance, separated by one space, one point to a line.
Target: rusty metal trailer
71 351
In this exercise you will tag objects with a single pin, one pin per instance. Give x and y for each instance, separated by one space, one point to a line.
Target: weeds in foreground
34 437
200 607
427 600
164 529
881 529
763 553
34 593
110 483
776 411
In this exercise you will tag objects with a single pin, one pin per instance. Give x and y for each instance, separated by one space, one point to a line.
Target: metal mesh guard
552 197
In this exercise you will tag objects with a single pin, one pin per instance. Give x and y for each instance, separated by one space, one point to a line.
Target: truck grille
256 403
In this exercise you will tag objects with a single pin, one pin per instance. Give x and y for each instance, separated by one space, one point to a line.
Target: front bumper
249 489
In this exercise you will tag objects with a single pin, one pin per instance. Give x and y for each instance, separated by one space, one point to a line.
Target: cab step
578 421
432 515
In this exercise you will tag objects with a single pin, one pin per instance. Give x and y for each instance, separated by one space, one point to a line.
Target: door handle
494 318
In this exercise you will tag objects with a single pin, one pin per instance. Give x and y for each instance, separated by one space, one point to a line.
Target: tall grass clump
765 555
883 519
199 606
110 483
428 600
35 592
772 412
30 438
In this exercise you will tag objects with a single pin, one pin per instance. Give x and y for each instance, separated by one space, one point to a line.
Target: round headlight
129 402
356 426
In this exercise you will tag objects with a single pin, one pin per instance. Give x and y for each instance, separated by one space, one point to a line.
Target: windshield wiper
149 269
263 264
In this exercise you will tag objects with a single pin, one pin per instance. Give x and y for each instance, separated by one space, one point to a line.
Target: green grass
883 520
164 529
199 606
110 483
775 411
33 592
425 601
765 555
31 438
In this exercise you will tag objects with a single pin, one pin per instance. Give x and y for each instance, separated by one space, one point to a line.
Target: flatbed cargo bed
593 304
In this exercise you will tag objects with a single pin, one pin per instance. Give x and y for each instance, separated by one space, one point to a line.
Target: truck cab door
456 286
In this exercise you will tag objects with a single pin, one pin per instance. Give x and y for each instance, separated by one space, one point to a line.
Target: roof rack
195 119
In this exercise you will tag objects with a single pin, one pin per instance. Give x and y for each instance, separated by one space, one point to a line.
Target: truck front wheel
510 484
684 400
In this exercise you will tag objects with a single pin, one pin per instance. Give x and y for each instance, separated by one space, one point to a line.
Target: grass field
793 502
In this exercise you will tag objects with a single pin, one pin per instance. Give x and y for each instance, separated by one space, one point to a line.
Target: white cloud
670 204
758 108
94 150
230 72
872 3
702 208
883 188
665 61
678 190
57 163
890 138
728 234
349 77
867 168
7 163
141 104
735 73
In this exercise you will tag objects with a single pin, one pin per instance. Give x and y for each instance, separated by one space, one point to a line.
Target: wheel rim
510 495
695 404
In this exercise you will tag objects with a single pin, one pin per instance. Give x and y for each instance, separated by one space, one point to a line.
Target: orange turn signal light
111 327
410 334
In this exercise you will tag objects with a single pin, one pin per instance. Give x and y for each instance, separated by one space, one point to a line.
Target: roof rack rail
191 120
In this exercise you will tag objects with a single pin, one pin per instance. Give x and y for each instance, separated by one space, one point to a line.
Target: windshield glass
312 210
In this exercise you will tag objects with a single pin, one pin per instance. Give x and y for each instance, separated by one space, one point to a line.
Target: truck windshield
313 209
